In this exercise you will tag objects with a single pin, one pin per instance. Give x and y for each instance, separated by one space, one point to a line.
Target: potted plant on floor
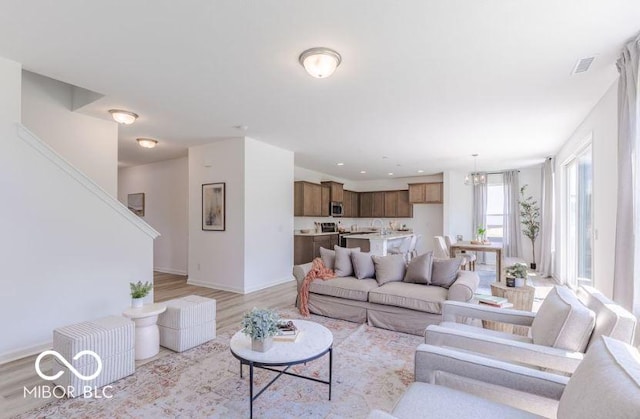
516 274
138 292
261 325
530 220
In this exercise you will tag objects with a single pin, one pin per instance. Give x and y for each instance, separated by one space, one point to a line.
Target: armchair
605 384
561 331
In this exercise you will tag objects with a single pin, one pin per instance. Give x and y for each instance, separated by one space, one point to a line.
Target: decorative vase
136 302
511 281
533 266
520 282
261 345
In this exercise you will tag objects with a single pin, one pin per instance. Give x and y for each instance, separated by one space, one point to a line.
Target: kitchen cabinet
351 204
378 204
307 247
405 209
391 204
366 204
425 193
325 198
307 200
336 191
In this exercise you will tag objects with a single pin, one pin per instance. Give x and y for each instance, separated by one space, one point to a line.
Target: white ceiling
425 83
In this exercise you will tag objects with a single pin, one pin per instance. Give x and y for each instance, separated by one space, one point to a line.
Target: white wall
458 206
256 249
165 185
268 214
602 126
216 258
67 255
89 144
427 218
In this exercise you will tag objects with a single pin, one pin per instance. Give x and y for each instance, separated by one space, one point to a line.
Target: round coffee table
314 341
147 333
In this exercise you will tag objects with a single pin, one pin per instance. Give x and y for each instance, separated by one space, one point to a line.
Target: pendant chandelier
475 178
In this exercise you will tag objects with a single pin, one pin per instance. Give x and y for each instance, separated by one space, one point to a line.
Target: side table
520 297
147 333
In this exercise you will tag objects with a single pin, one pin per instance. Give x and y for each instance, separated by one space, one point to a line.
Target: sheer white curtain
512 238
480 210
626 283
547 220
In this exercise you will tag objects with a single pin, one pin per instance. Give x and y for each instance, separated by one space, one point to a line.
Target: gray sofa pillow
328 257
343 266
389 268
445 271
419 269
363 266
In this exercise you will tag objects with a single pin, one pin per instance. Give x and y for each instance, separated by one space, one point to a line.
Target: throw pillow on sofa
328 257
445 271
343 266
419 269
389 268
363 266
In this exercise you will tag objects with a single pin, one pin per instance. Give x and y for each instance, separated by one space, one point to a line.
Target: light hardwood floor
16 375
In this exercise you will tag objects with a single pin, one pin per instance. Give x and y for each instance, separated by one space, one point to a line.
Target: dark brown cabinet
391 204
325 199
405 209
307 247
307 199
336 191
425 193
350 204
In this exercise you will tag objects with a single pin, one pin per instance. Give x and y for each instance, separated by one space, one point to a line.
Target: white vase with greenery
261 325
138 292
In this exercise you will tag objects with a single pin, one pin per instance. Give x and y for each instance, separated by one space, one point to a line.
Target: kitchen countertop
297 233
390 236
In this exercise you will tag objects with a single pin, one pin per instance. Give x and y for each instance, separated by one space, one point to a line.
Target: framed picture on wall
213 206
135 202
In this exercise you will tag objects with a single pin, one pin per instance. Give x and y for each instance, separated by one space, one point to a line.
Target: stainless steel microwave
336 209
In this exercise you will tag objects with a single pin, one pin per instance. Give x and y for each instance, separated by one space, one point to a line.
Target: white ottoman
188 322
111 338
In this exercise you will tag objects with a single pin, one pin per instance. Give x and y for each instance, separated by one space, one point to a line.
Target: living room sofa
400 306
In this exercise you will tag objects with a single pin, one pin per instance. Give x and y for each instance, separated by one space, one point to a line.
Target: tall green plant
530 218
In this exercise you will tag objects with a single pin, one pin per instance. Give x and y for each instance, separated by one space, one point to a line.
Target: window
578 174
495 208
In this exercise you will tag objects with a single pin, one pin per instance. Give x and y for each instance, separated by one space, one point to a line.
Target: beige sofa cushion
606 384
413 296
389 268
611 319
328 257
348 287
563 321
343 266
363 266
419 269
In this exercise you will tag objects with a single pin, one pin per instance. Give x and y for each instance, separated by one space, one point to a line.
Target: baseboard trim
25 352
171 271
270 284
214 286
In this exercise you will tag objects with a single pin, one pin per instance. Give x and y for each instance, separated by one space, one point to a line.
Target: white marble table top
314 339
377 236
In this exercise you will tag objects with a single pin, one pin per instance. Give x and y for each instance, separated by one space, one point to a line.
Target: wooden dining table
487 247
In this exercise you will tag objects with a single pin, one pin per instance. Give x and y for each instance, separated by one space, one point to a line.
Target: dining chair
441 251
449 240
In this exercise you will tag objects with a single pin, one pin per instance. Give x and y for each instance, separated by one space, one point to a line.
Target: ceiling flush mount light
147 142
320 62
123 117
475 178
420 171
363 171
340 164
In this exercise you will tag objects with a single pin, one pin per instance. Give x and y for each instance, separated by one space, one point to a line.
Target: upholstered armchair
605 384
561 330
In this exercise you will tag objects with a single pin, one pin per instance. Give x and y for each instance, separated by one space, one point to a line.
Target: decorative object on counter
135 202
261 325
138 292
459 237
307 230
517 272
213 206
530 220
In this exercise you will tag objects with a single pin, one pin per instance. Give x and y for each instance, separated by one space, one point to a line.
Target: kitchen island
378 244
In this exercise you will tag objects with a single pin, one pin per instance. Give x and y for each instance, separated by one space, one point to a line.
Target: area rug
371 369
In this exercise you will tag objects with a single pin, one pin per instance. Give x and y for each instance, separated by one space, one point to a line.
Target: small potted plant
481 234
261 325
516 274
138 292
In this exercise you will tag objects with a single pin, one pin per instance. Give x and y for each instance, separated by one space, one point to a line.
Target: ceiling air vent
583 65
